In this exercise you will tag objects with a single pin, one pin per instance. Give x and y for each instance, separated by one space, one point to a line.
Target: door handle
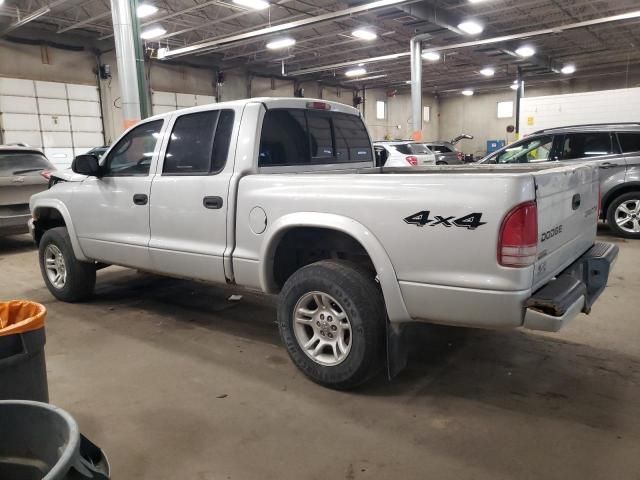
606 165
140 199
213 203
576 201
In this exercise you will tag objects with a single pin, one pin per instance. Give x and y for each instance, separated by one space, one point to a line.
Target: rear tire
623 215
331 318
67 278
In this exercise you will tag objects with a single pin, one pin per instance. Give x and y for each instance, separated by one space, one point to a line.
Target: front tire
67 278
623 215
331 318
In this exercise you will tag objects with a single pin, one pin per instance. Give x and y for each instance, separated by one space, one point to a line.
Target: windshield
412 149
527 151
23 163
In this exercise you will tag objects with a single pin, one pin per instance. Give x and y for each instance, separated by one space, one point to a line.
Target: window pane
133 154
22 163
505 109
352 139
630 142
380 110
439 148
222 140
535 150
284 139
426 114
403 149
191 144
320 135
580 145
419 149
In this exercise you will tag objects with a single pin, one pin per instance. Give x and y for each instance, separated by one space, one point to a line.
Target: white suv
403 154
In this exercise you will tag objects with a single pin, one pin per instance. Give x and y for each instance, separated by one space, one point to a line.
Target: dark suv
614 147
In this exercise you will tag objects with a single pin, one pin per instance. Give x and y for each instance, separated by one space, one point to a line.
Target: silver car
23 172
446 152
616 150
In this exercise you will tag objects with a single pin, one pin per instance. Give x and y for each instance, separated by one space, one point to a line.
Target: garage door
63 119
163 102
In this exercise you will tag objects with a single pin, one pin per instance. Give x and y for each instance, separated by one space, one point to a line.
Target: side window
284 139
132 155
581 145
630 142
527 151
199 143
403 149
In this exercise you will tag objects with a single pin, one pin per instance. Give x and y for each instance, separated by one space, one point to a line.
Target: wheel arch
615 192
386 274
46 214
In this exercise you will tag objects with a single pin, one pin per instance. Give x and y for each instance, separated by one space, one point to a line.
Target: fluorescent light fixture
144 10
254 4
568 69
355 72
471 27
431 56
281 43
364 34
514 85
1 2
364 79
488 72
526 51
467 93
153 32
162 52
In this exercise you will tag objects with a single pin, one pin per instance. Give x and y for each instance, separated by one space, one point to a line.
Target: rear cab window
296 136
22 163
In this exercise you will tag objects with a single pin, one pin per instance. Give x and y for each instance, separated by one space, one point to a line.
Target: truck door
189 196
111 213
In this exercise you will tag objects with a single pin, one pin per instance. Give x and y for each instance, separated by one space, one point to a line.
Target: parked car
614 148
281 195
23 172
403 154
446 152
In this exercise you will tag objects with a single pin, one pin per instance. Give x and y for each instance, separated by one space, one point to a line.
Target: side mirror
86 165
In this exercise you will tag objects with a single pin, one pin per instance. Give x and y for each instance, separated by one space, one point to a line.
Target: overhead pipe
474 43
283 27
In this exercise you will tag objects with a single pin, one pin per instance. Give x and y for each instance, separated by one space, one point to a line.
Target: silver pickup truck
281 196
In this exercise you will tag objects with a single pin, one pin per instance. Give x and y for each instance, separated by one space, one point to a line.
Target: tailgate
17 190
567 201
425 159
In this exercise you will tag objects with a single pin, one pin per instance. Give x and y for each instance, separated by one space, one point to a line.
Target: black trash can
23 370
43 442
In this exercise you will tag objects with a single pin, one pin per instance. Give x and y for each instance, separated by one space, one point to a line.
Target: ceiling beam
283 27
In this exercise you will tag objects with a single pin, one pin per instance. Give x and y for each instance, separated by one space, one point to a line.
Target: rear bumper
573 291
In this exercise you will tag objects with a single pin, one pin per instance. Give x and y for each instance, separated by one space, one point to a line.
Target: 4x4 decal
421 219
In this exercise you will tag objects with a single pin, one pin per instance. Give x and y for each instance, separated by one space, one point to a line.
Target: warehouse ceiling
605 49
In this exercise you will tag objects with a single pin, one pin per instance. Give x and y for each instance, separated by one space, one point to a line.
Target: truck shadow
527 373
16 244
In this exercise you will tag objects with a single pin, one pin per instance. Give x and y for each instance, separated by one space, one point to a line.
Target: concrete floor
175 382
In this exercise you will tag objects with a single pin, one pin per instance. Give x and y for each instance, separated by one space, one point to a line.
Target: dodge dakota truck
282 196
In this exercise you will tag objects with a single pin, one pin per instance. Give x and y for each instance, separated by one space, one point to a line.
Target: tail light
411 160
46 174
518 239
460 156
